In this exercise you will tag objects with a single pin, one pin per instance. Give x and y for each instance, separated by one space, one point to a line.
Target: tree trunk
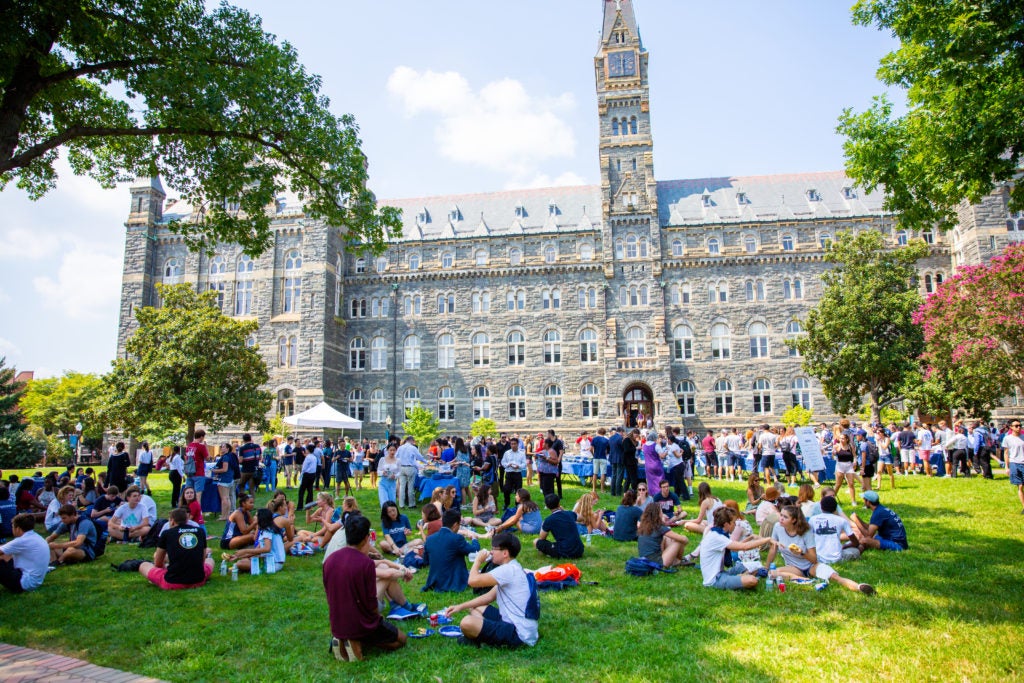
190 432
876 411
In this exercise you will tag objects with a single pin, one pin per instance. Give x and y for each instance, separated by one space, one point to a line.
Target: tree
18 449
973 328
797 416
11 393
483 426
421 424
188 363
277 427
58 404
861 340
962 68
205 99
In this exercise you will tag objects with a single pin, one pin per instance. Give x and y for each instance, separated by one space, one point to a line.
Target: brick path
21 665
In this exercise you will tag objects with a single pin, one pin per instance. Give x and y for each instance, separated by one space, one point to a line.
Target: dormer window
741 198
849 193
280 204
454 215
520 211
553 209
813 196
423 217
705 200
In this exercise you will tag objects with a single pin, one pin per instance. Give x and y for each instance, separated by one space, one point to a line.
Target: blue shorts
767 462
885 459
886 544
197 483
497 632
730 579
1017 473
737 460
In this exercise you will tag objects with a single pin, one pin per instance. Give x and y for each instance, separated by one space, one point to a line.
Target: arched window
552 347
615 126
480 257
516 402
481 349
762 397
515 257
758 333
446 303
550 254
445 351
172 268
378 408
286 402
292 287
824 239
218 265
901 238
644 296
412 304
714 247
590 394
793 330
220 287
414 261
382 265
378 354
287 351
411 352
792 289
636 341
516 348
357 308
682 343
481 302
686 397
447 259
553 402
619 252
244 285
586 252
677 248
445 404
516 299
802 393
787 242
411 400
631 246
721 342
551 298
685 293
750 244
643 247
356 406
481 402
723 397
588 346
632 125
357 354
928 287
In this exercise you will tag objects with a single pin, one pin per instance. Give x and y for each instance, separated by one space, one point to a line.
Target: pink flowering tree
974 337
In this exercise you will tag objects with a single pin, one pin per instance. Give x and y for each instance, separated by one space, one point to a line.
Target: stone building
571 307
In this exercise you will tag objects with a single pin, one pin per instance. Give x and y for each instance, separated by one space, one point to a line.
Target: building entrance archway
638 406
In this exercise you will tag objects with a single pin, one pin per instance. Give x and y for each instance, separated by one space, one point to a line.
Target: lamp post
78 445
387 428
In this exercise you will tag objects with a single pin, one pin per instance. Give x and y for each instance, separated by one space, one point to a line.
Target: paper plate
421 633
450 631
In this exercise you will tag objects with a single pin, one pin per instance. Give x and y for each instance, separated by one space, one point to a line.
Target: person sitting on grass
445 553
65 496
884 531
190 502
268 544
354 592
514 622
767 514
705 516
181 559
395 527
241 529
751 559
105 507
589 520
656 542
831 531
284 519
526 518
485 509
82 538
562 524
793 536
329 517
669 503
755 492
430 521
716 566
27 502
627 517
25 558
131 520
8 511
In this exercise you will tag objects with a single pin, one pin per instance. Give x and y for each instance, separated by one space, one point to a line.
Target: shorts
767 462
723 460
886 544
156 577
600 467
226 484
737 460
907 456
384 634
869 471
498 632
288 460
885 458
197 483
1017 473
845 468
144 469
225 542
730 579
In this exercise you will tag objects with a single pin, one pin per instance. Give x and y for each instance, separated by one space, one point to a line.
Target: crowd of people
736 544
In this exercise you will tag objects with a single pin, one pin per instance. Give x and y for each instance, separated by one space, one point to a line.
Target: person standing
514 463
599 444
196 456
307 476
615 456
270 460
288 462
176 475
547 470
559 446
408 455
249 460
117 467
144 462
629 461
1014 447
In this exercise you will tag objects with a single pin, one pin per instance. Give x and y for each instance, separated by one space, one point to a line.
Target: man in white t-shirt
131 520
924 447
513 623
715 544
24 560
1014 446
830 532
734 447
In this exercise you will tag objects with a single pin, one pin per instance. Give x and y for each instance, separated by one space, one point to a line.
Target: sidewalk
21 665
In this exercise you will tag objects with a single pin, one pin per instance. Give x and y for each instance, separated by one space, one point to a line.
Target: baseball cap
870 496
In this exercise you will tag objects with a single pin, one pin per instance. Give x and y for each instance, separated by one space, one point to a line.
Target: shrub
18 450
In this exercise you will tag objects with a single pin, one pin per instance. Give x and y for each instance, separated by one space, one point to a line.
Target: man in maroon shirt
350 581
196 451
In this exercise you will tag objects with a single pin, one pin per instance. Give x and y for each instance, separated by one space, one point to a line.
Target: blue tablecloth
426 486
211 497
582 467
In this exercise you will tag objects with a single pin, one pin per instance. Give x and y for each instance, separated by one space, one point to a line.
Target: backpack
154 534
871 454
101 543
190 463
641 566
532 610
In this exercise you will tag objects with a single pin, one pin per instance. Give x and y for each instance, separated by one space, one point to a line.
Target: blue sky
469 96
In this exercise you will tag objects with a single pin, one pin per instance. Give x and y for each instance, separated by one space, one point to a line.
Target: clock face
622 64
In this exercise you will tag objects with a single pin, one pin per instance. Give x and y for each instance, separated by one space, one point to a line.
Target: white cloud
500 127
567 179
87 284
27 245
8 348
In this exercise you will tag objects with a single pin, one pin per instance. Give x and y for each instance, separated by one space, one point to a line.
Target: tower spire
618 15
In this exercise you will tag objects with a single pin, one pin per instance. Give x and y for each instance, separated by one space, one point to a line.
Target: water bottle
589 536
254 566
769 583
271 565
234 572
223 567
782 584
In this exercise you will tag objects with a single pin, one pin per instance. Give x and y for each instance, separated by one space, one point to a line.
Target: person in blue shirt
562 524
82 538
600 446
615 457
884 531
445 552
395 527
7 512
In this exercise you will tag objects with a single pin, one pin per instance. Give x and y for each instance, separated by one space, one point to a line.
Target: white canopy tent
324 417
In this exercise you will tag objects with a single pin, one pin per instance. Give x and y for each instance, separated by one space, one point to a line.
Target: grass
949 609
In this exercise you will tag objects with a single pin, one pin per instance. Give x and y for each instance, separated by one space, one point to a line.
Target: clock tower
628 187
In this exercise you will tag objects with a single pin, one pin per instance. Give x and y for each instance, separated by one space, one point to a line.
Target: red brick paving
22 665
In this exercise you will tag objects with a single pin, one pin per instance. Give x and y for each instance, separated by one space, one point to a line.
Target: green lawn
950 609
